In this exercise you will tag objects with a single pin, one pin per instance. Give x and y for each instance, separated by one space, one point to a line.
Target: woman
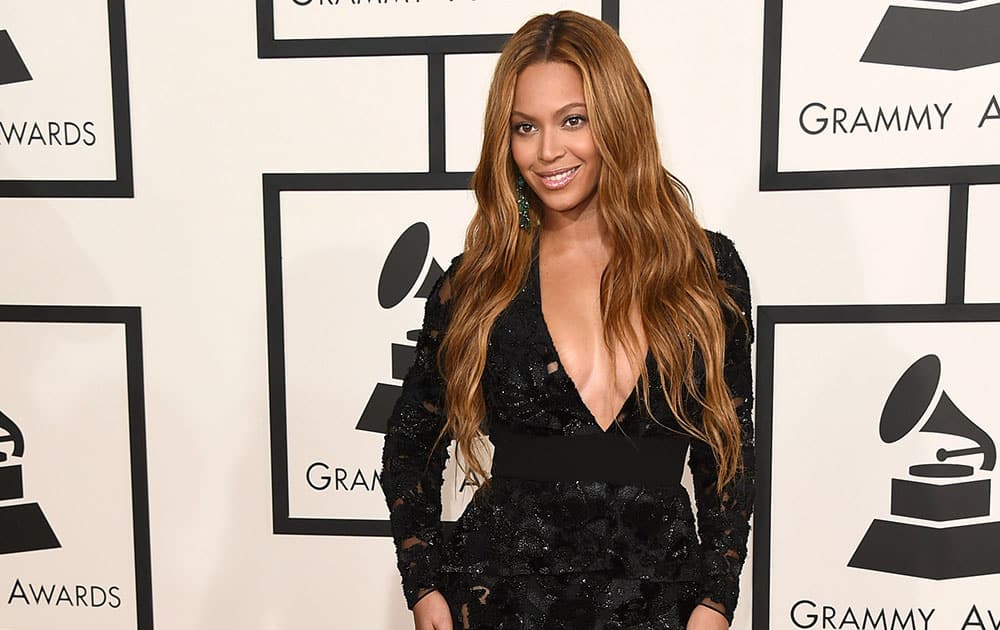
595 332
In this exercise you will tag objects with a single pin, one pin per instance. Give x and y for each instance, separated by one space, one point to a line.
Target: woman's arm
412 473
724 519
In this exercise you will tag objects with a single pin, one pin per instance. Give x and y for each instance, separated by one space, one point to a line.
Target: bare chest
570 297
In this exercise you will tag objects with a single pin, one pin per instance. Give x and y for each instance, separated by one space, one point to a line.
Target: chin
560 203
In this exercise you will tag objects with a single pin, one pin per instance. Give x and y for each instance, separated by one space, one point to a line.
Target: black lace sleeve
412 474
724 519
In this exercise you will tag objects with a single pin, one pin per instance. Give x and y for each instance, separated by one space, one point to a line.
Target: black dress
556 542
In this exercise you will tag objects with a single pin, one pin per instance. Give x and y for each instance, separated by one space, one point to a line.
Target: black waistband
611 457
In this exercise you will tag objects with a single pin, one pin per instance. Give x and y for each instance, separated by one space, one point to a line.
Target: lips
555 180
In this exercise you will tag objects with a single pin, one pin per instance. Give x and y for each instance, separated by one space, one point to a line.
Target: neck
584 230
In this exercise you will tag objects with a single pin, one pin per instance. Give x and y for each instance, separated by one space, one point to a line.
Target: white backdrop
186 231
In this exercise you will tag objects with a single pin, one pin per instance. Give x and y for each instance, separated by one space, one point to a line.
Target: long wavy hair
661 258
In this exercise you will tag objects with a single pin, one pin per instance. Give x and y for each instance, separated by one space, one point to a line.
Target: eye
576 120
522 128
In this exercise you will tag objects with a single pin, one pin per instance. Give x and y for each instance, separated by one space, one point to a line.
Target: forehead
543 88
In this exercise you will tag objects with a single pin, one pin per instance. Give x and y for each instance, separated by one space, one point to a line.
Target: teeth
559 178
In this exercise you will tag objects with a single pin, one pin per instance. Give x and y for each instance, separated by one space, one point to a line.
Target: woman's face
551 139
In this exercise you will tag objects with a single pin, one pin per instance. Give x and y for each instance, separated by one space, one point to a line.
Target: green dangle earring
522 204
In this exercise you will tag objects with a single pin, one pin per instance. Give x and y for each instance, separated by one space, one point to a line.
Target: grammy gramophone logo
939 34
23 526
935 540
12 68
400 273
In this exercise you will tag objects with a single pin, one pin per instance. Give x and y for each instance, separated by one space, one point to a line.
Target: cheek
585 149
521 152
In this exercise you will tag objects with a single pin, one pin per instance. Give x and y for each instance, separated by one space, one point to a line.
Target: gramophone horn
910 398
403 264
401 270
947 419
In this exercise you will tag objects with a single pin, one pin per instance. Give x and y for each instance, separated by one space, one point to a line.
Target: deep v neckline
560 366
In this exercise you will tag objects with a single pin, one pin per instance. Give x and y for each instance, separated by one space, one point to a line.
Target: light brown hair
661 258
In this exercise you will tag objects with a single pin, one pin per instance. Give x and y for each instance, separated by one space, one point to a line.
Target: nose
550 146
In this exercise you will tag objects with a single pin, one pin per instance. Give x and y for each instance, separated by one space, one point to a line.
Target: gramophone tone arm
947 419
944 454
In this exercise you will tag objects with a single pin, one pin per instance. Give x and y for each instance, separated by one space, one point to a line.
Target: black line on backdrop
275 353
131 318
268 47
338 527
770 93
878 313
119 97
265 29
435 113
876 178
67 313
610 13
364 181
762 441
958 232
140 481
382 46
346 527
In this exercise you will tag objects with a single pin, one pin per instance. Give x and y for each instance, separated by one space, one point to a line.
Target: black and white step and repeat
220 222
876 421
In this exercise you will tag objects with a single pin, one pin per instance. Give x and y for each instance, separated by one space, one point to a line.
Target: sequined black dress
533 553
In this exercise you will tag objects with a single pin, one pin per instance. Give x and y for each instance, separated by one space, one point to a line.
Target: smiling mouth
560 178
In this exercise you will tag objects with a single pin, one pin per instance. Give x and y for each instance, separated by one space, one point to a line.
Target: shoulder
728 263
449 273
733 274
441 291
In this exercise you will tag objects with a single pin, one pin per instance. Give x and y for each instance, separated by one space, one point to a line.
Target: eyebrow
562 109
